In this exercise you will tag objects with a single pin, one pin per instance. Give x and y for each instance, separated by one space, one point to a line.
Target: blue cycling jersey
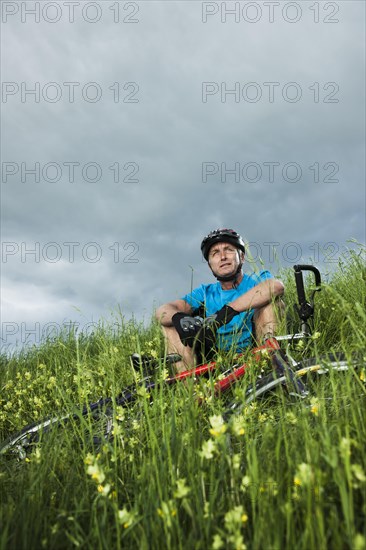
238 333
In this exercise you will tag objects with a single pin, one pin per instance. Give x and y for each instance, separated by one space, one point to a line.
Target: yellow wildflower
291 418
208 449
167 512
125 517
236 460
304 475
358 472
96 473
315 406
345 446
217 542
218 425
89 459
234 518
143 392
245 482
182 489
104 489
359 542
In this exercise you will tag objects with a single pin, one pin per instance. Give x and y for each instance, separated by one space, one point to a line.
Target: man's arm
258 296
165 312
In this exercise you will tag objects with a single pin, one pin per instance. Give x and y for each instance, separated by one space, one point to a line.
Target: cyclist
224 315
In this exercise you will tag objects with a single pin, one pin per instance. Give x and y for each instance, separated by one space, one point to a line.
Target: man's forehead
220 244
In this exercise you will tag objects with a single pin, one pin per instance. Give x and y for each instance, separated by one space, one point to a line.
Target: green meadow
282 474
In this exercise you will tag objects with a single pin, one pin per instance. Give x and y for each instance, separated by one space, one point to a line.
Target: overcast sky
132 129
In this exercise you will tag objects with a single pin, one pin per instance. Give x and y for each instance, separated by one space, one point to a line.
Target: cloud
163 141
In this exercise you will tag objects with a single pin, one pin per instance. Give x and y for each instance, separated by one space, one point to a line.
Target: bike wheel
97 423
334 377
93 424
261 387
325 365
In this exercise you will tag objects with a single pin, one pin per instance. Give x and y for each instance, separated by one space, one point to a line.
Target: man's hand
195 329
187 327
206 335
220 318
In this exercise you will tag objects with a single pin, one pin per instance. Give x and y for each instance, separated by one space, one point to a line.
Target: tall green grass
282 474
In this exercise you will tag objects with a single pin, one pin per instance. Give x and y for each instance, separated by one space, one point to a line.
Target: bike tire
261 387
323 365
95 421
22 443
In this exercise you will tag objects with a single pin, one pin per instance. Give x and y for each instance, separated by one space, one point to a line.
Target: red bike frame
222 385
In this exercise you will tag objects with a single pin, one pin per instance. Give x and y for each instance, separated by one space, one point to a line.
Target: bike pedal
145 363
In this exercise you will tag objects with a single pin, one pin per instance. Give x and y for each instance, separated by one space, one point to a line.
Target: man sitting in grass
226 315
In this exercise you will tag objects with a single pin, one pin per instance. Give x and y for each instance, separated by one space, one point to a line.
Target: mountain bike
98 418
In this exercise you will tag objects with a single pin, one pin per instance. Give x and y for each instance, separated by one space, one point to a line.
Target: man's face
224 258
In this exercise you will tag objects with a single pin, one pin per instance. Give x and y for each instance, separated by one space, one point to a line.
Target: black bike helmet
221 236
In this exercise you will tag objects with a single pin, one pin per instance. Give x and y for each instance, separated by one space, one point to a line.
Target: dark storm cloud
146 234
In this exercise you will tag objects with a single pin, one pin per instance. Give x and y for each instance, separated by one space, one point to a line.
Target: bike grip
300 286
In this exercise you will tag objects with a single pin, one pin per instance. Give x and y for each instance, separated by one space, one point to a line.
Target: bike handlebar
300 267
306 307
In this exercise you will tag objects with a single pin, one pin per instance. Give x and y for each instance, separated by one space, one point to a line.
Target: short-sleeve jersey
238 333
